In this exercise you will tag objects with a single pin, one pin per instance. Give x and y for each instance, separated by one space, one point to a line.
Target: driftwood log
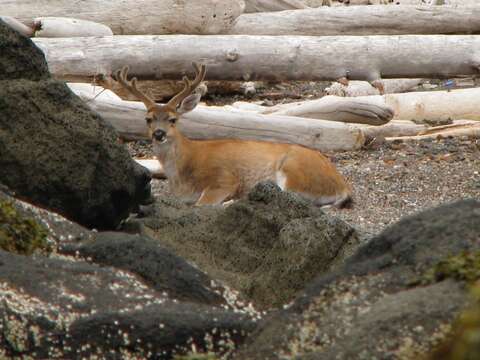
418 106
153 166
128 118
134 17
469 130
238 57
68 27
17 25
253 6
362 20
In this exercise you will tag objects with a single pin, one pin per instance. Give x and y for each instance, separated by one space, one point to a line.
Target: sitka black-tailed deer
215 171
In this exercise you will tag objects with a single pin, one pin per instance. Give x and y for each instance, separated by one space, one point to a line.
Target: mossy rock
464 344
462 267
19 57
19 234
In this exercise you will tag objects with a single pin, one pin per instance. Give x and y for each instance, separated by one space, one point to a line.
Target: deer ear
189 103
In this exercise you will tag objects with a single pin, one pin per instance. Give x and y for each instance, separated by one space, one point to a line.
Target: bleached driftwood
418 106
436 105
348 110
363 88
153 166
237 57
128 118
471 130
362 20
17 25
253 6
134 17
68 27
402 128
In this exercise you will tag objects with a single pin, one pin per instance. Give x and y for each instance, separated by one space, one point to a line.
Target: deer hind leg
215 196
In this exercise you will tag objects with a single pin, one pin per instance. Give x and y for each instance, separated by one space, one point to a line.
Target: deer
213 172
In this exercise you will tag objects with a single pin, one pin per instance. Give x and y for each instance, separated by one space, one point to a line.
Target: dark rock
58 154
19 57
370 308
66 309
157 266
146 303
268 246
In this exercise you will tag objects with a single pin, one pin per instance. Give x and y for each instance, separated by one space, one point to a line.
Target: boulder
157 266
20 58
396 298
109 293
54 151
267 246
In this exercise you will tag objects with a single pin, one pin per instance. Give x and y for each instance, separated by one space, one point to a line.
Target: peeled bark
68 27
362 20
128 118
135 16
238 57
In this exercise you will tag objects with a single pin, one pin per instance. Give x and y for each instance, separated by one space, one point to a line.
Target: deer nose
159 135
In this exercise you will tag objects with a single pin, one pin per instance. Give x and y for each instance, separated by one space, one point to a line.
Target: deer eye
148 120
172 120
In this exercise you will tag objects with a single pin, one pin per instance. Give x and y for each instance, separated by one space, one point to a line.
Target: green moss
462 267
19 234
464 344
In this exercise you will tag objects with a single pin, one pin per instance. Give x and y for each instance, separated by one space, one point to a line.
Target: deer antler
188 86
131 86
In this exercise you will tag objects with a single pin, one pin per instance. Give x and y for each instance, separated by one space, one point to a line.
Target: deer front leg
215 196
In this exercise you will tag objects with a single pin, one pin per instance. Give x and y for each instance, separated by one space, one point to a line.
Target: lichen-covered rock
157 266
375 307
268 246
65 309
54 151
119 296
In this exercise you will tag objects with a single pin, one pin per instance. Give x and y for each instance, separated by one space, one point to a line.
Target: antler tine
189 86
131 86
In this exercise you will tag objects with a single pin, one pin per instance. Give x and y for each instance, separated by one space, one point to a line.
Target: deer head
162 118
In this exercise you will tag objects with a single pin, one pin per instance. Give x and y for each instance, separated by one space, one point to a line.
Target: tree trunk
418 106
362 20
238 57
128 118
67 27
135 16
